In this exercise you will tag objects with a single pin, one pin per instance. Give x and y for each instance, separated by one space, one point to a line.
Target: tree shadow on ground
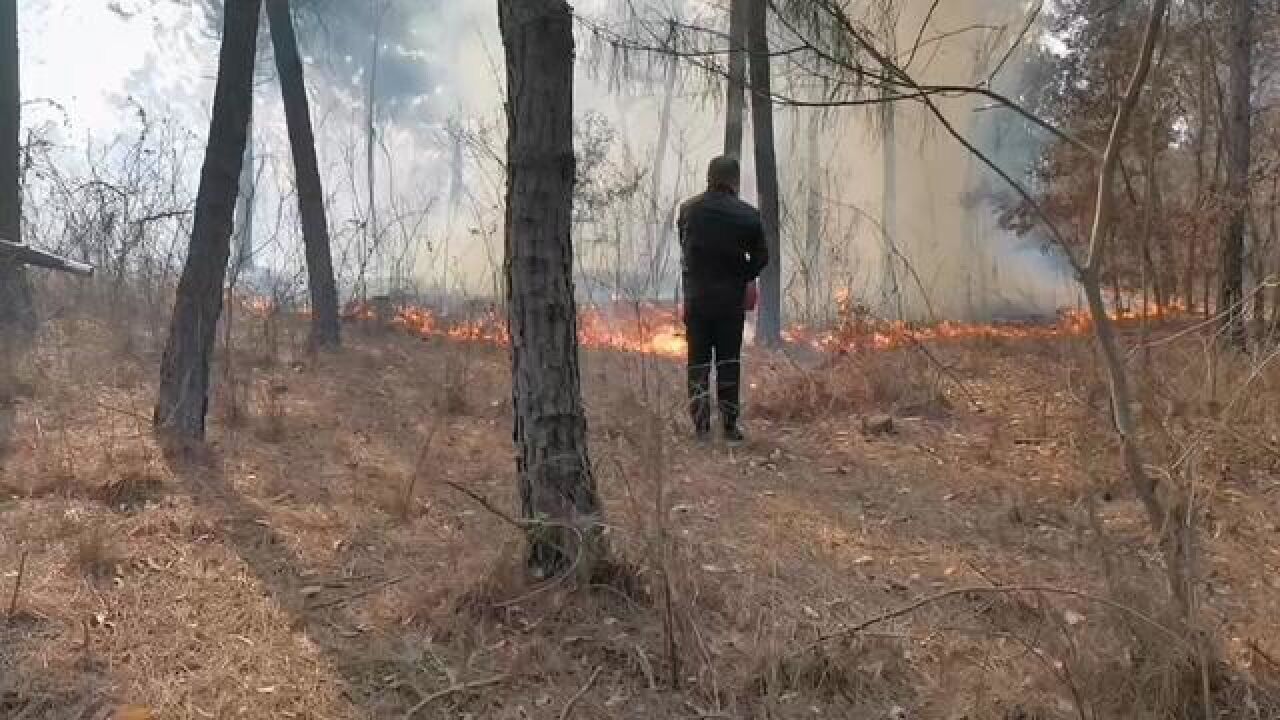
369 662
27 690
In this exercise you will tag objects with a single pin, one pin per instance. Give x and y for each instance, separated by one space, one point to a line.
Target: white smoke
953 260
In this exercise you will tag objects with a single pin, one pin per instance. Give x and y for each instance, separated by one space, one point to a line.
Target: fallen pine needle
17 588
568 707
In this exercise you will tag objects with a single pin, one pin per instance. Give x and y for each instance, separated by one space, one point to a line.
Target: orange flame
655 330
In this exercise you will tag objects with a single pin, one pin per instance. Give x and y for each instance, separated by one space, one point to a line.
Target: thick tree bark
1231 300
557 490
769 328
17 313
736 101
326 330
183 398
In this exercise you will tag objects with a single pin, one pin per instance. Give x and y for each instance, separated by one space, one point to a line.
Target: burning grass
649 328
317 563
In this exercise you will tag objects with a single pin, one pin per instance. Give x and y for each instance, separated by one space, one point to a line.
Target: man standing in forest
723 250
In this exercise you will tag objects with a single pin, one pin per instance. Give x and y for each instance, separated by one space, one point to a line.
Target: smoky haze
937 219
924 246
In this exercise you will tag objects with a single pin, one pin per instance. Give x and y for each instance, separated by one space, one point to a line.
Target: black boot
733 435
702 434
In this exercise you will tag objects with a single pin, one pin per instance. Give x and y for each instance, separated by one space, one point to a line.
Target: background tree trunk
736 101
769 327
183 398
326 330
372 232
890 292
17 313
660 224
816 301
1232 303
242 229
557 489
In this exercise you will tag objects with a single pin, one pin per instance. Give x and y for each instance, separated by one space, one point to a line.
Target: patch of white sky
85 57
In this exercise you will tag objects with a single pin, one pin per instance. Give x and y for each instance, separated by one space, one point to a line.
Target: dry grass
899 382
312 561
96 556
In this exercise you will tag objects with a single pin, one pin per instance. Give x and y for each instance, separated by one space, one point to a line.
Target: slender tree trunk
1273 236
1232 303
1152 217
17 312
814 277
736 101
1165 516
243 225
183 398
1150 272
326 330
769 329
457 162
371 230
658 223
1189 276
242 253
557 488
890 292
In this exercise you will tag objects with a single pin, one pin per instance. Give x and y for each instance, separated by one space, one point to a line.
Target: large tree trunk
1231 290
769 329
17 314
736 101
183 398
557 489
326 330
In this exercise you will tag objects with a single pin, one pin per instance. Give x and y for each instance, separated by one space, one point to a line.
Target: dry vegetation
316 560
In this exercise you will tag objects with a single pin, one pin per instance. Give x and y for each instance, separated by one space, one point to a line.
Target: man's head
724 174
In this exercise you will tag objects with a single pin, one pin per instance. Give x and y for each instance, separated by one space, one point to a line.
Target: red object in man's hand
752 297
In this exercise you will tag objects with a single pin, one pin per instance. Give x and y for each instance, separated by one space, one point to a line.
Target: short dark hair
724 172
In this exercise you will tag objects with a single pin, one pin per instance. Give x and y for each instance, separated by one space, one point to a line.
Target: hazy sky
82 53
90 55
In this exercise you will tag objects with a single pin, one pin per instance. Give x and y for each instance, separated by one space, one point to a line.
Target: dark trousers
715 339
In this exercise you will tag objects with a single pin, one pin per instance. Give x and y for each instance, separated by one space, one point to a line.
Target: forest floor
316 561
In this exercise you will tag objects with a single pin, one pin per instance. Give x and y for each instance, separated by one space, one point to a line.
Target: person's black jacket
722 249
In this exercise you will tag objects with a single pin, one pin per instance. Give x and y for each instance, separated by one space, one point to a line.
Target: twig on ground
484 502
452 689
17 588
360 593
525 525
646 667
122 411
568 707
942 368
553 582
986 589
1257 649
418 467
